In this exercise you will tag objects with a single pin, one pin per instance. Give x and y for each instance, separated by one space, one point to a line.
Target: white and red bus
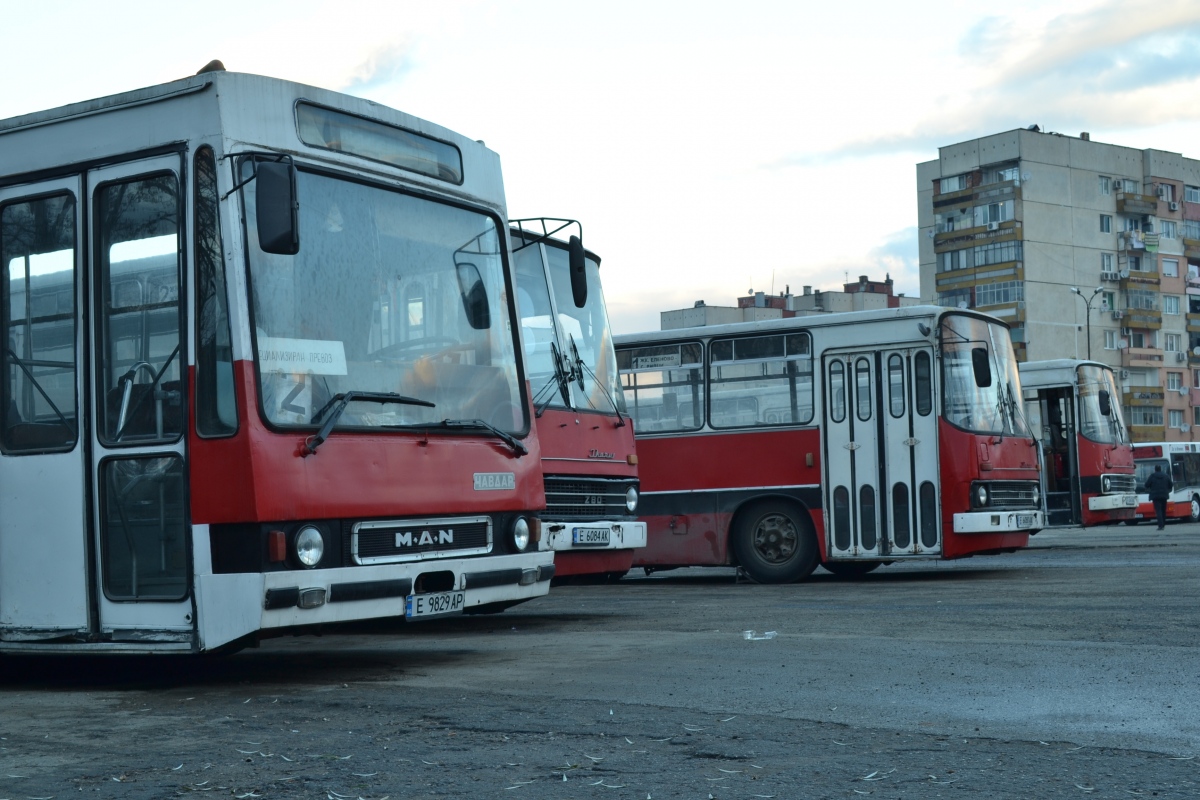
262 371
846 440
1180 460
588 461
1087 460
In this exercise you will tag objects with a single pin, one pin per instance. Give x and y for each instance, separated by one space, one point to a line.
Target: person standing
1159 486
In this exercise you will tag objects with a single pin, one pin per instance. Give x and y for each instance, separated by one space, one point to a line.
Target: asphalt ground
1066 670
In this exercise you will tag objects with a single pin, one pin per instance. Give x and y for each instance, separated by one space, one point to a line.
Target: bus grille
1120 484
389 542
1012 494
586 498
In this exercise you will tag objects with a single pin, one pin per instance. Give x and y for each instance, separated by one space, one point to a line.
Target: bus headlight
981 495
1106 484
520 534
310 546
631 499
1037 495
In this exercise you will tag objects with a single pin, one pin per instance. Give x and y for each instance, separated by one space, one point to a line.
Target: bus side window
216 406
923 383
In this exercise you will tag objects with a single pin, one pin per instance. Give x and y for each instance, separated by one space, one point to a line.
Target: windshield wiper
475 424
581 366
342 399
560 379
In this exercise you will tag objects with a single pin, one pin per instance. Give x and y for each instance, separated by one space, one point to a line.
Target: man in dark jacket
1159 486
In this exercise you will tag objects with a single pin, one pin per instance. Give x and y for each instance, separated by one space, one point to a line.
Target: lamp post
1088 302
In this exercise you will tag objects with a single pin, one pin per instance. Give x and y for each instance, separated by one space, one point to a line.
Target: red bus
588 461
1087 459
846 440
1180 460
262 371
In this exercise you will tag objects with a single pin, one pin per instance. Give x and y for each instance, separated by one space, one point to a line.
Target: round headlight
520 534
310 546
1106 484
631 498
1037 495
981 495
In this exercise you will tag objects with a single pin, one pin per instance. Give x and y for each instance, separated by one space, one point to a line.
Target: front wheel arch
786 549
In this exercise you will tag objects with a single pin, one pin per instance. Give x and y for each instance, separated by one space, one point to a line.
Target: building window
1106 262
959 298
1196 380
1145 415
1106 223
994 294
1172 344
1135 263
1166 191
1191 228
1170 268
1105 184
1128 186
1170 304
1176 418
1191 194
993 212
1141 298
953 184
952 260
1168 229
1108 301
1137 339
1110 340
1196 415
1174 381
1133 224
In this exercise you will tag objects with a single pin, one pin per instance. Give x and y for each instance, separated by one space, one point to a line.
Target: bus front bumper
598 535
1112 502
999 521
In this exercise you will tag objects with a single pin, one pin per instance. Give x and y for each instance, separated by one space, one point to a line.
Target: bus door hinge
911 442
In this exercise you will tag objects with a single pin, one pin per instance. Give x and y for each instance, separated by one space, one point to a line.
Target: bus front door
880 454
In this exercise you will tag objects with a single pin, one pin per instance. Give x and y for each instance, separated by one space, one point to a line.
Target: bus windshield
583 337
390 293
1105 429
980 409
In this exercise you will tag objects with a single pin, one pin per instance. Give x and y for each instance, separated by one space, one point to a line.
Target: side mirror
578 267
474 296
1105 403
276 209
981 367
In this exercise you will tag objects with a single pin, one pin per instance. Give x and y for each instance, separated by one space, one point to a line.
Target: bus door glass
43 517
138 479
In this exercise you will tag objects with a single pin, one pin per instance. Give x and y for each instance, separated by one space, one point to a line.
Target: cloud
386 64
898 258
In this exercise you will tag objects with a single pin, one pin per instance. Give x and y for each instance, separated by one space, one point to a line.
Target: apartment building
855 296
1086 249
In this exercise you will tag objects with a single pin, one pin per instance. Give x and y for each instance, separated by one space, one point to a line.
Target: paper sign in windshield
315 356
656 362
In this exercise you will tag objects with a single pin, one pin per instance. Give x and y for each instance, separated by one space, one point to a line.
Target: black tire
1194 516
773 542
851 569
1132 521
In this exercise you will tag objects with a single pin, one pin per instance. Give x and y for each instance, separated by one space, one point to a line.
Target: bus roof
822 320
245 112
1054 372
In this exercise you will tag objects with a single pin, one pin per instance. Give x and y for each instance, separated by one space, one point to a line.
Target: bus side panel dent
228 607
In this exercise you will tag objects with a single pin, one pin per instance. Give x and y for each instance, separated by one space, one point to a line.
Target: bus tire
773 542
1194 516
851 569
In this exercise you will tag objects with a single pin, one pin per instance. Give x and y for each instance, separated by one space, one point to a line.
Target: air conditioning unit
1185 427
1123 374
1183 389
1181 357
1173 206
993 226
1127 331
1109 276
1117 313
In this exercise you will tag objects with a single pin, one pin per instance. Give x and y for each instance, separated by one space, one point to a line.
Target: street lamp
1088 302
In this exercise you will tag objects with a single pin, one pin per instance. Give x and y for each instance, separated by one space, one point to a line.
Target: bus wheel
1195 509
851 569
774 543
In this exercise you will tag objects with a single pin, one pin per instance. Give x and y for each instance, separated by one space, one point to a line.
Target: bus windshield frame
993 409
1093 425
391 292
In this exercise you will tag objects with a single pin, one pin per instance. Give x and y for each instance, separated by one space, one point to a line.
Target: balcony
1136 203
1193 322
1147 433
1191 249
1149 318
982 234
1143 396
1142 357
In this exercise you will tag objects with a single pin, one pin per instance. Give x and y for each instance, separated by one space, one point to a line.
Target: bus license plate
436 604
1024 520
590 537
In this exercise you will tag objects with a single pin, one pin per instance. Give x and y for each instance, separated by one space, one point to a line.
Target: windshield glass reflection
1094 425
980 409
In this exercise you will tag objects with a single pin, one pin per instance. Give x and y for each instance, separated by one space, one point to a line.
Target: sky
707 148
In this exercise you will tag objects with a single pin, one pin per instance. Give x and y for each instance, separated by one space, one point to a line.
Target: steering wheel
419 345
